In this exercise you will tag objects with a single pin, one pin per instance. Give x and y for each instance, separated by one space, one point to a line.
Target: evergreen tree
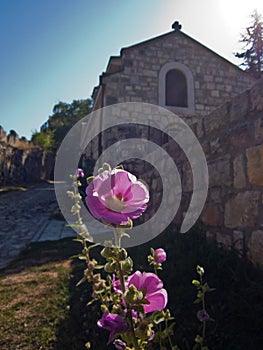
253 46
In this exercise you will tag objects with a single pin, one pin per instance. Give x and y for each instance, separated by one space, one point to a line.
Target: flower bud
127 265
108 252
196 283
80 172
133 295
200 270
110 267
144 331
202 315
96 277
122 254
159 255
91 265
104 308
198 339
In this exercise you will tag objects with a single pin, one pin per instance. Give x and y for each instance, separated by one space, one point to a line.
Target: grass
35 296
41 307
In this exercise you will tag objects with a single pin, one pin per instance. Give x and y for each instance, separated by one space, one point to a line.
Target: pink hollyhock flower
159 255
116 196
151 286
80 172
113 323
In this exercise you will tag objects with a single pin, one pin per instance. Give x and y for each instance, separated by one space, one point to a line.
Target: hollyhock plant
113 323
116 197
152 288
133 303
159 255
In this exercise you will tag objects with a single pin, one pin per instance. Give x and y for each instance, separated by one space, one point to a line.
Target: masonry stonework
227 119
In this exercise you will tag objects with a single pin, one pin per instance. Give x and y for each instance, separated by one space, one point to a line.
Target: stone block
211 216
255 247
216 120
255 165
242 210
258 125
239 172
224 239
219 173
238 241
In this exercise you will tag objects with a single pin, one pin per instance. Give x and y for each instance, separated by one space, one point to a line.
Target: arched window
176 88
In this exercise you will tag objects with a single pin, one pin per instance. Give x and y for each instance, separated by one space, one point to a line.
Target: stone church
222 104
174 71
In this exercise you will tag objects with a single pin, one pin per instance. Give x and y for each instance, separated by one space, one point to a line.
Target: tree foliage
252 40
64 116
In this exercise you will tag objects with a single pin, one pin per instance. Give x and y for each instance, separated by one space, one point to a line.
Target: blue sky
55 50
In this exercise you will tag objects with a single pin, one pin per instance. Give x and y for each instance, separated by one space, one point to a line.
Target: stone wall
232 139
21 163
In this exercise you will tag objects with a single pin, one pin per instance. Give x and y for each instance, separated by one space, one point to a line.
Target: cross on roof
177 26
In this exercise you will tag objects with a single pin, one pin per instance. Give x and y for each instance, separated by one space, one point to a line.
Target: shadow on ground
236 306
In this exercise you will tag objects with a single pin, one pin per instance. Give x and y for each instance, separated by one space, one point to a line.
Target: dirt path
22 214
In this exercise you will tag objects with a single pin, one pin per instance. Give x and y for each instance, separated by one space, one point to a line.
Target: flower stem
134 339
204 322
117 236
129 314
169 337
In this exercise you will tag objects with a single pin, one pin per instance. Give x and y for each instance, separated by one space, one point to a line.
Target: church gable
174 71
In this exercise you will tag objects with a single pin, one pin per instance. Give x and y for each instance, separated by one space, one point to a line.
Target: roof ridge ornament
177 26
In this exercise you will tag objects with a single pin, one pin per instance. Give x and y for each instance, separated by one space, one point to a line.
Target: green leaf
197 301
84 279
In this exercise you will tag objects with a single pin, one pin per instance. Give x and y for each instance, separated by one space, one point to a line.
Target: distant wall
21 163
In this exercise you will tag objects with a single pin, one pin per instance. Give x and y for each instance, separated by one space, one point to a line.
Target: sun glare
236 13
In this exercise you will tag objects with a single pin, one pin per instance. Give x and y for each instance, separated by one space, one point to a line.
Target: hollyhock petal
136 280
139 191
113 323
158 301
151 282
123 180
137 212
119 344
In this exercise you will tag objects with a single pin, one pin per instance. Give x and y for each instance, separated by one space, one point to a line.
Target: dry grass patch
33 303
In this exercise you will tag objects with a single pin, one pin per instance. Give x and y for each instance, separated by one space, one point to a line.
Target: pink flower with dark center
113 323
80 172
151 286
159 255
116 196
